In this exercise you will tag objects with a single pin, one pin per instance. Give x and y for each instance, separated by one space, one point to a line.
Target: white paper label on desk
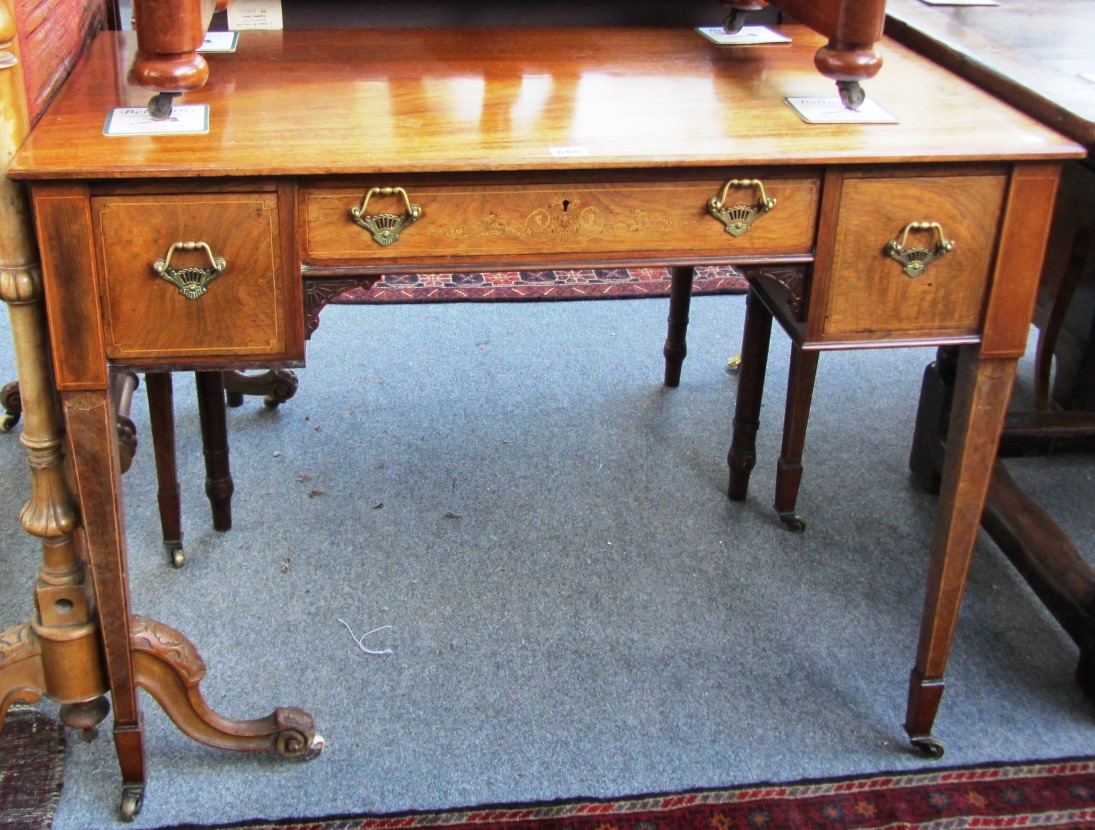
185 119
960 2
219 42
748 36
833 111
569 152
254 14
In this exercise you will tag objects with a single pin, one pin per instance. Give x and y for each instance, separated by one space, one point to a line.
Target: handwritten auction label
747 36
185 119
219 42
833 111
254 14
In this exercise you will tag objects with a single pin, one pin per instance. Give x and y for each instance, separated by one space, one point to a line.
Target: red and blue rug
1053 795
541 285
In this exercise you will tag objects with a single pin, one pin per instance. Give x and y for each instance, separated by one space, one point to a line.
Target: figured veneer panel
869 296
564 219
148 319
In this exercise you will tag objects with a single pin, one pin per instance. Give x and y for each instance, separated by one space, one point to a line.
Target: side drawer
528 222
870 295
239 312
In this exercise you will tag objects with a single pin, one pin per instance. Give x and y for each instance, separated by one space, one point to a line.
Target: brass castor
796 524
130 807
929 747
852 95
161 104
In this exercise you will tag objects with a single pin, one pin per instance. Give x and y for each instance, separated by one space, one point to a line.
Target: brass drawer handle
738 218
915 261
385 227
191 282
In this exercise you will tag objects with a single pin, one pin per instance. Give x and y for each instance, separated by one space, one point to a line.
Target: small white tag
569 152
1089 76
748 36
219 42
185 119
833 111
254 14
960 2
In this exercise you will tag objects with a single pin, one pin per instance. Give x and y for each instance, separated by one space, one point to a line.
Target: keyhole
566 205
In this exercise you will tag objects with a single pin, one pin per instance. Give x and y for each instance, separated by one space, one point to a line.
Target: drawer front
237 312
871 295
528 222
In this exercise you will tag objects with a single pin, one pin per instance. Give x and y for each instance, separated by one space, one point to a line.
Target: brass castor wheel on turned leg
161 104
852 95
929 747
734 21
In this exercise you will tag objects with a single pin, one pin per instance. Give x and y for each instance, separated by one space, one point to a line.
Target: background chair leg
800 393
742 456
676 347
161 410
214 423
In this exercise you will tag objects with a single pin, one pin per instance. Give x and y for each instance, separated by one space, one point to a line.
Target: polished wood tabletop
1034 54
362 101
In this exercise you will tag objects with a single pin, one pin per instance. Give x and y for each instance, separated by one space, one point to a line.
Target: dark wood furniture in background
287 206
170 31
1034 55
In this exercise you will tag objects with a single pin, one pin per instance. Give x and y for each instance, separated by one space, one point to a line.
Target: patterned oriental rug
541 285
1058 795
32 760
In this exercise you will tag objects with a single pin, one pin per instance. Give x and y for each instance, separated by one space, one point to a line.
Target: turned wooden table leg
161 411
214 425
982 389
57 653
742 457
676 346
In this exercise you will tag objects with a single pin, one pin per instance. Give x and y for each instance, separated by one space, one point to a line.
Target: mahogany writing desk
341 155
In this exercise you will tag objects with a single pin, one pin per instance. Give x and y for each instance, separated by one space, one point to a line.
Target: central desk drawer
528 222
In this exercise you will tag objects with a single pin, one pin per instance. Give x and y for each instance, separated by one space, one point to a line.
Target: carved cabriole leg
742 456
168 666
982 389
57 652
676 346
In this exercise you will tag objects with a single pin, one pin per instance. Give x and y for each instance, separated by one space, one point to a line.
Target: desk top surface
417 100
1035 54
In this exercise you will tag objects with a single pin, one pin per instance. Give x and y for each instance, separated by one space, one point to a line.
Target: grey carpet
575 607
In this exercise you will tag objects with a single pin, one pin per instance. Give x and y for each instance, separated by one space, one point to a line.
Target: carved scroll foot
22 672
12 404
276 385
169 668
